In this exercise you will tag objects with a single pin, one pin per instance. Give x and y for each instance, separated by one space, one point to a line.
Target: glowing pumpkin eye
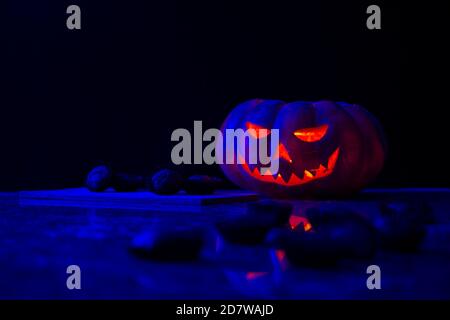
257 132
311 134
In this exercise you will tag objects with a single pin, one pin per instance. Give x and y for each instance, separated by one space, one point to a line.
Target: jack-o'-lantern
325 148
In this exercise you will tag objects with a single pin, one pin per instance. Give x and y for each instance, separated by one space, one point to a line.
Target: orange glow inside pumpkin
312 134
259 132
282 153
308 175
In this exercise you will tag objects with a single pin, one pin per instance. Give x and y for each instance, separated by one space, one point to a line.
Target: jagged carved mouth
322 171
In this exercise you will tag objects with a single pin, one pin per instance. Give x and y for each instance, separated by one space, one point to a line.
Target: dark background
116 89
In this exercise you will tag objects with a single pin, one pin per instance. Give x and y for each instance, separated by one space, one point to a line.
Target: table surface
38 242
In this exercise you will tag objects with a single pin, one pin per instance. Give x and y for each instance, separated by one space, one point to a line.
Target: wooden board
81 197
46 239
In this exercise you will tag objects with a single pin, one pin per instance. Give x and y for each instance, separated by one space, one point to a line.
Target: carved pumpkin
325 148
